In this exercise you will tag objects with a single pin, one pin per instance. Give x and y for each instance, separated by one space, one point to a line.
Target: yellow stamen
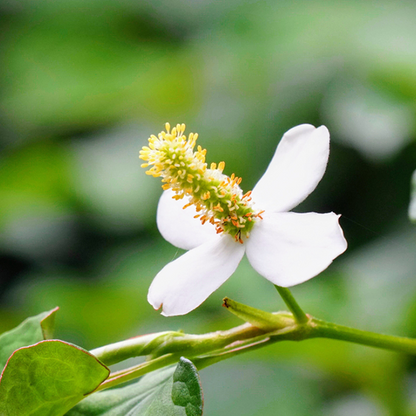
217 198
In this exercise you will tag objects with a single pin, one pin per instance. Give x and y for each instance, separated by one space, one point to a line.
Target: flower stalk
291 303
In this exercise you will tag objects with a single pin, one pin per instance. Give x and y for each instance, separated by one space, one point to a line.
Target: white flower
286 248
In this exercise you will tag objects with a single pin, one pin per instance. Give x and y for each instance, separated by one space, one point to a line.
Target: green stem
133 347
137 371
292 333
324 329
315 328
163 343
192 345
291 303
166 348
205 361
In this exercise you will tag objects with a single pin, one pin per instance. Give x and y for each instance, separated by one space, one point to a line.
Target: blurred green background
84 83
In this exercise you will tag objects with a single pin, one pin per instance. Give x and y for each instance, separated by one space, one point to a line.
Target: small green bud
266 321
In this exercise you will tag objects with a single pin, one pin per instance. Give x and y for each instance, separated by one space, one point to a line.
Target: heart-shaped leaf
167 392
32 330
48 378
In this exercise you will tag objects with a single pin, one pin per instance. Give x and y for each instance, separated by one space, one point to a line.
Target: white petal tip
301 128
156 305
296 168
323 128
177 313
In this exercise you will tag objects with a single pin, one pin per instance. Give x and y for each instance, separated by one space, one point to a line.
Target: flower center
218 198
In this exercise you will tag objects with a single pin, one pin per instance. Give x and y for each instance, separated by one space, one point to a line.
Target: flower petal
296 168
178 225
185 283
290 248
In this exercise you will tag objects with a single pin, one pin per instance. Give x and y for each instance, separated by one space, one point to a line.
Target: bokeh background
83 85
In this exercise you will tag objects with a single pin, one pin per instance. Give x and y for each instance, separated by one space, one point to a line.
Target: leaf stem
291 303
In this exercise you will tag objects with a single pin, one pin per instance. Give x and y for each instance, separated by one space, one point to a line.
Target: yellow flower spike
219 198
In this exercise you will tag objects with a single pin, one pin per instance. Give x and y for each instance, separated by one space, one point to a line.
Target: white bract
286 248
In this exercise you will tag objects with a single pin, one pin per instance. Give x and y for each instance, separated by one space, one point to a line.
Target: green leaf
186 389
167 392
32 330
48 378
